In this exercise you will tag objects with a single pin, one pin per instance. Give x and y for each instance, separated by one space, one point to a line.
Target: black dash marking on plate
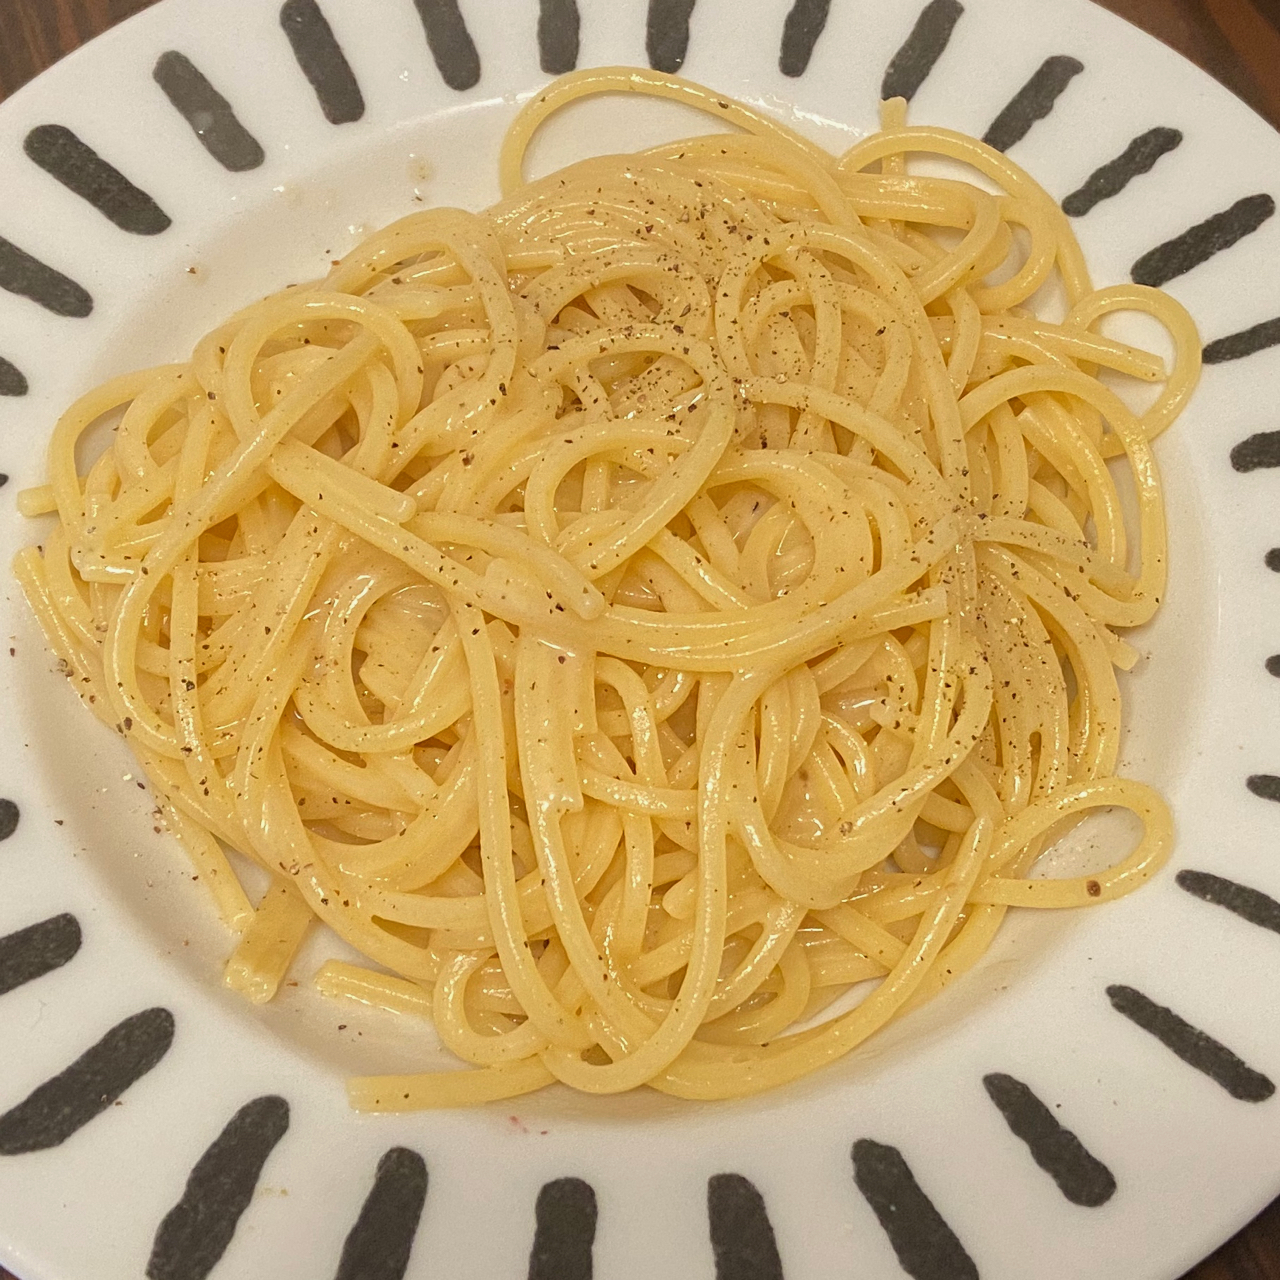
378 1246
1266 785
558 24
1199 243
1273 664
741 1233
1192 1045
81 169
450 42
1137 158
1080 1176
9 813
207 112
1272 561
196 1231
910 66
22 274
926 1247
54 1111
1256 338
1249 904
566 1231
13 382
4 480
1033 101
800 33
666 38
1258 451
322 61
38 949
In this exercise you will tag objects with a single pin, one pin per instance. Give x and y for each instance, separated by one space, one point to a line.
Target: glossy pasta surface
658 621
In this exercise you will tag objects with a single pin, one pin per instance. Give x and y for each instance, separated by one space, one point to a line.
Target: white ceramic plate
152 1123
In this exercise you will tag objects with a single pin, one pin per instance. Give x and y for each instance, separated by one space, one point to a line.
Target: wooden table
1237 41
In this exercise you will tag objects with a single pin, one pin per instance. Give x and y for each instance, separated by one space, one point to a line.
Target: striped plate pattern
233 1145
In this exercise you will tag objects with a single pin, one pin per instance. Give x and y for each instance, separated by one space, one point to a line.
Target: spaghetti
642 615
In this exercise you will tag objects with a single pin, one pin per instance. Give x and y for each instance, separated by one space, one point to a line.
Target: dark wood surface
1237 41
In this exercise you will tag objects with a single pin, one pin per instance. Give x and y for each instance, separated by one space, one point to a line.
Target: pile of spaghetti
659 621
